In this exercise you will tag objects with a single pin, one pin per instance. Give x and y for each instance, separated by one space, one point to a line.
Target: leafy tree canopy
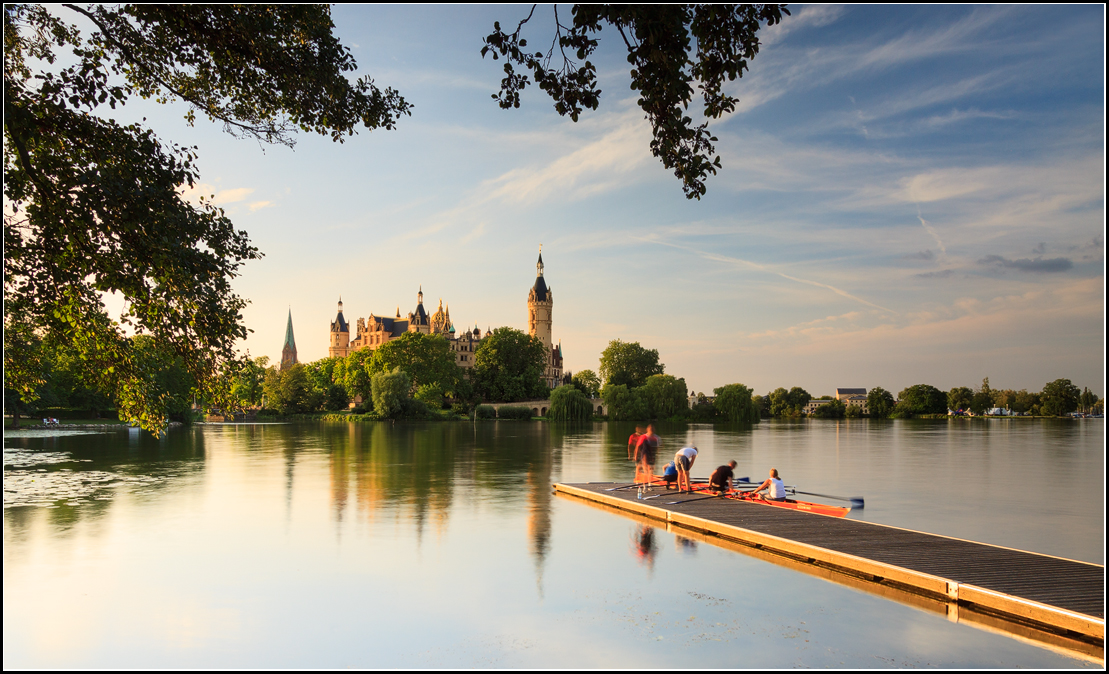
568 403
667 396
959 398
1059 397
625 403
427 359
879 403
921 399
509 366
93 206
587 382
670 47
628 364
736 403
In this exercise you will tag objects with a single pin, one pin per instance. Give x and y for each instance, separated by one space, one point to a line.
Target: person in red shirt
646 449
633 441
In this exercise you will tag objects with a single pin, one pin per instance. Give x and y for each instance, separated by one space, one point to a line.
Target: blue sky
909 195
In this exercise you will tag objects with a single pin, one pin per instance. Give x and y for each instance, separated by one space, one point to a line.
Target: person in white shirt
683 461
776 490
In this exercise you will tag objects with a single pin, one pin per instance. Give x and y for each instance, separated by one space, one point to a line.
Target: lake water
441 545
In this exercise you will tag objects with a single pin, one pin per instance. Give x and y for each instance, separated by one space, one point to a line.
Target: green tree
1024 401
427 359
430 395
670 47
246 389
568 403
921 399
290 391
629 364
779 402
587 382
356 375
959 398
666 396
983 398
798 398
509 366
93 206
734 402
1087 400
1058 398
390 391
879 403
625 404
833 409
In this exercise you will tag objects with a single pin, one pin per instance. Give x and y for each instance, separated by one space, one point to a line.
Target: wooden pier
1055 601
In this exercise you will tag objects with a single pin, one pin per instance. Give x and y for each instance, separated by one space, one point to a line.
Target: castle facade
371 333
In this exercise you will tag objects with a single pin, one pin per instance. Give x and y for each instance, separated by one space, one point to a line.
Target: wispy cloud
716 257
1037 265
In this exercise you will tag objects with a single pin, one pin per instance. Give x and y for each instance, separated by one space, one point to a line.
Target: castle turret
340 335
540 303
289 350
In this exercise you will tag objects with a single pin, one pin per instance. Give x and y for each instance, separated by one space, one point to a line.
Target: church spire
289 350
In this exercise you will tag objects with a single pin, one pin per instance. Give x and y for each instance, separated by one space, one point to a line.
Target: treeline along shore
415 377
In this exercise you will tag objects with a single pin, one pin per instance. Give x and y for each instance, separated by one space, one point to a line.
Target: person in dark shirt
722 477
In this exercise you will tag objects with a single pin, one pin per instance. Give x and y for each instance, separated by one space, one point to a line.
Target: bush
568 403
485 412
411 408
461 408
514 412
390 390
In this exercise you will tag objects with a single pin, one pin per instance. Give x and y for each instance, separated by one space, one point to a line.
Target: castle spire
539 265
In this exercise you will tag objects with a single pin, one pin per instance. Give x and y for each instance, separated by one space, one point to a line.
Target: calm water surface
442 545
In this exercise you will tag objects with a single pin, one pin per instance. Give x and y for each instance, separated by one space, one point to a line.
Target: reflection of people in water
685 545
644 544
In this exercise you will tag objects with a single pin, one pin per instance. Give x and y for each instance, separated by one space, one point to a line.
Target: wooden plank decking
1059 595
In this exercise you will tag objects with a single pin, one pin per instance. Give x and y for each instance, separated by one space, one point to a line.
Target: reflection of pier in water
1052 601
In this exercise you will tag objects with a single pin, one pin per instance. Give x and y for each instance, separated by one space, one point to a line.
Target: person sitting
776 490
721 480
669 474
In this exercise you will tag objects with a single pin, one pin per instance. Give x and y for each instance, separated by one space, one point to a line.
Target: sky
909 194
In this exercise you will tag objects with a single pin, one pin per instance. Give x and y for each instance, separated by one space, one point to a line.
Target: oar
637 484
856 501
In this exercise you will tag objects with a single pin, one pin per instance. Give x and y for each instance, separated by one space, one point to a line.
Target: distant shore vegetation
416 377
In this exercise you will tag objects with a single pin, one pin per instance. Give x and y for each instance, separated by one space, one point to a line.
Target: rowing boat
793 504
790 504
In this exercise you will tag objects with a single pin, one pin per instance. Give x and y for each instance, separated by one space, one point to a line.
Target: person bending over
722 477
683 461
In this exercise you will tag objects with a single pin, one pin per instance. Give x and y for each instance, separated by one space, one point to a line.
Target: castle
371 333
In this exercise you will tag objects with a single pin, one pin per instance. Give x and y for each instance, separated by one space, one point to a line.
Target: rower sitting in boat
721 479
777 490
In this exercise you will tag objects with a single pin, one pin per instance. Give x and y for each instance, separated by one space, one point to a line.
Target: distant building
371 333
813 404
289 350
853 397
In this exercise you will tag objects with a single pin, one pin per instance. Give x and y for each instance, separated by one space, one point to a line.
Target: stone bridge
539 407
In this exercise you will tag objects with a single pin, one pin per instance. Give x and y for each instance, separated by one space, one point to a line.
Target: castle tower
289 350
540 303
418 320
340 335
